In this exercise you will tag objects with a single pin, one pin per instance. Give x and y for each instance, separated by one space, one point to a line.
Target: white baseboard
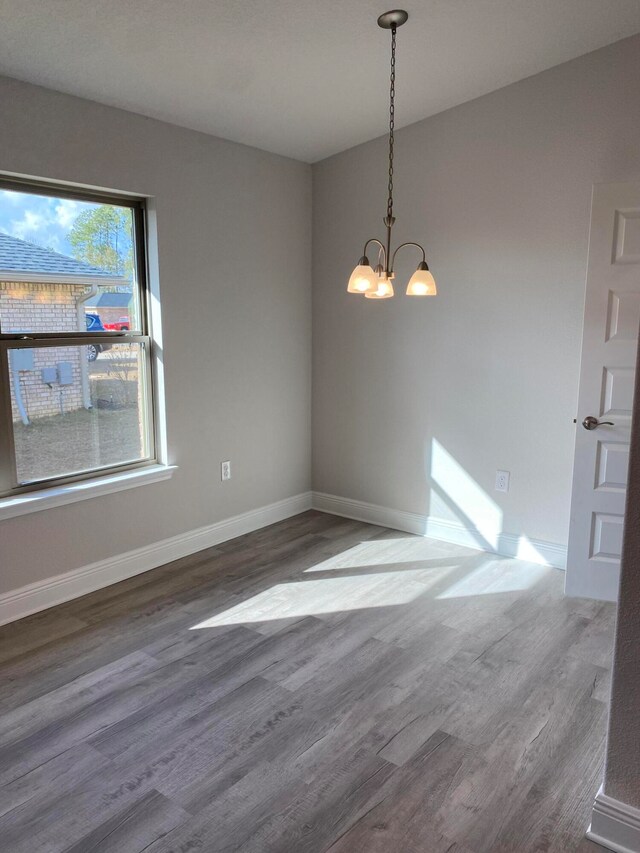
508 544
56 590
615 825
43 594
397 519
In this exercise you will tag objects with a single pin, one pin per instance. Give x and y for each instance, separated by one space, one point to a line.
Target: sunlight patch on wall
461 490
528 551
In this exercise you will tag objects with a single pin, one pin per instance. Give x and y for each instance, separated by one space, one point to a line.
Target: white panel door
609 344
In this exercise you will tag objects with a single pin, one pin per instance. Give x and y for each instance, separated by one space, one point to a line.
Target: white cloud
30 223
52 241
44 220
66 211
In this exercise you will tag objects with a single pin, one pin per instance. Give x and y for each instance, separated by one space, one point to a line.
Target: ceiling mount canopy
394 18
377 282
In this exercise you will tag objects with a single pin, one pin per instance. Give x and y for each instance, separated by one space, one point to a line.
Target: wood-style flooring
319 685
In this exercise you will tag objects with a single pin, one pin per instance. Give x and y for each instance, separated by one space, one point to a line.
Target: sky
40 219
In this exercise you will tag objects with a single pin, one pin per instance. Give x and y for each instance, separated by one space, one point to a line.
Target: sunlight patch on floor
381 552
329 595
496 576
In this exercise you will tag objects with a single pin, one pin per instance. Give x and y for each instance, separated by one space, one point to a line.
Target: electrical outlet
225 470
502 481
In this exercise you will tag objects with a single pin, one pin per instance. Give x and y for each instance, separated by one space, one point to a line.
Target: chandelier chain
377 282
392 97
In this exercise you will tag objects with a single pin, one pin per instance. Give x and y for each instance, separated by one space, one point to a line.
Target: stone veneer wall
43 307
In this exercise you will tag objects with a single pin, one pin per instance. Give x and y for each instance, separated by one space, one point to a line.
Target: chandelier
377 282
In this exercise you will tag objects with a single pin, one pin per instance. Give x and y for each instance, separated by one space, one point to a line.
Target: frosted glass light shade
363 278
422 283
384 290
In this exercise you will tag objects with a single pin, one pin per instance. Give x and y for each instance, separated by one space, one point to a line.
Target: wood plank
322 684
61 773
133 828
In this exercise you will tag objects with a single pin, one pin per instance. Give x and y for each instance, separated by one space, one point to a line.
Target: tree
101 236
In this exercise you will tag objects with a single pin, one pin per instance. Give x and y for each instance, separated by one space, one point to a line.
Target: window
75 349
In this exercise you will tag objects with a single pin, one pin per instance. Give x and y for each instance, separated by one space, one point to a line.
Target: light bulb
422 283
363 278
384 289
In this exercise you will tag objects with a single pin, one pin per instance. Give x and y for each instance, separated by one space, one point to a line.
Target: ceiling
304 78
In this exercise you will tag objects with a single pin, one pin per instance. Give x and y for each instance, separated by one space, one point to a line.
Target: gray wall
234 229
499 191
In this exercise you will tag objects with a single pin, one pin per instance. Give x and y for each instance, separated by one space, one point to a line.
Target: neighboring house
42 290
111 307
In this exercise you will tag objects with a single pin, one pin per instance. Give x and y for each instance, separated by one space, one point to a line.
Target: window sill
82 490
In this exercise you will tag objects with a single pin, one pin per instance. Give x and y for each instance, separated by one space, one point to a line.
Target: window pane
78 408
66 265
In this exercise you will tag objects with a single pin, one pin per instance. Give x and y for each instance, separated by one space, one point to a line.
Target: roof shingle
20 256
110 300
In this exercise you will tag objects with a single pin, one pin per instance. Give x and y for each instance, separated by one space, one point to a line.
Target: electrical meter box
21 359
49 375
65 373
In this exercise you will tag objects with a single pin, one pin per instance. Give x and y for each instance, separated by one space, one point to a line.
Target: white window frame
16 498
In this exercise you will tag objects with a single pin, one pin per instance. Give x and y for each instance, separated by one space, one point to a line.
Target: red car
121 325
